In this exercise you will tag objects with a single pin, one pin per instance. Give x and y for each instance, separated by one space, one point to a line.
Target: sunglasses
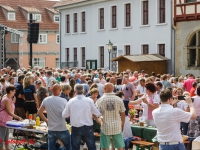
126 88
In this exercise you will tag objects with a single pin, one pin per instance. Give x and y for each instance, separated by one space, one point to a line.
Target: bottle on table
140 114
141 120
30 117
37 121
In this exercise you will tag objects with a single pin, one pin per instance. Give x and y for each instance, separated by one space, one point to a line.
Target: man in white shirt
100 86
141 90
167 120
81 109
50 78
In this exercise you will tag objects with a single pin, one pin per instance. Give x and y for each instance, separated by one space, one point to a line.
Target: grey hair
79 89
96 80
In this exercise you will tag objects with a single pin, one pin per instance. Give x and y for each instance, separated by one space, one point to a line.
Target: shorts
4 135
30 107
117 140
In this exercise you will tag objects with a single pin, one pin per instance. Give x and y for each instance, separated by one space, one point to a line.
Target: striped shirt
111 106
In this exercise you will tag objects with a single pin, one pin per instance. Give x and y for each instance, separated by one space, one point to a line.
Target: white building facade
133 26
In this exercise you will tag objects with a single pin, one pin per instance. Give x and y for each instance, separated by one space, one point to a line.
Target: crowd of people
79 97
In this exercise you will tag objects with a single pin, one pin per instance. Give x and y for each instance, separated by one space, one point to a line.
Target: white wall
134 36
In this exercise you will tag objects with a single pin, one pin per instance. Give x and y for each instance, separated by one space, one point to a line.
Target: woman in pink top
194 125
7 114
149 101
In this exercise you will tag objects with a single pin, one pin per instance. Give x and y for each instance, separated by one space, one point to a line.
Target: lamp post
110 46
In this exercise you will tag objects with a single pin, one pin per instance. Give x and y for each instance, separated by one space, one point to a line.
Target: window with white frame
145 49
113 16
83 21
127 8
43 38
36 17
101 18
127 49
11 16
56 18
57 63
57 39
38 62
161 49
14 38
145 12
75 22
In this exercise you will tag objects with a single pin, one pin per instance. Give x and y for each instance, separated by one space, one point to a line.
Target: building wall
184 31
49 51
135 36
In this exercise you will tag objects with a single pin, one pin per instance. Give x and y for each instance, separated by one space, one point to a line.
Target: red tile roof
8 8
31 9
52 10
68 2
21 21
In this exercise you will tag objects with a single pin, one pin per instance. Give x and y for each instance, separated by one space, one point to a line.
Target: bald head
108 88
56 89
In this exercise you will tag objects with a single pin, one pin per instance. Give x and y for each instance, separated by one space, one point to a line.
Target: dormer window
36 17
37 14
11 16
53 14
56 18
8 12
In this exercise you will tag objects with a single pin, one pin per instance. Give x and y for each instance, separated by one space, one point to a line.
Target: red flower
131 106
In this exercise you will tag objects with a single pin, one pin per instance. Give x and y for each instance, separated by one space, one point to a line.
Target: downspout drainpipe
173 39
60 39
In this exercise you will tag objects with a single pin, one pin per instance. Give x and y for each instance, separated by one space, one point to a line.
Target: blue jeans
184 127
86 133
64 136
180 146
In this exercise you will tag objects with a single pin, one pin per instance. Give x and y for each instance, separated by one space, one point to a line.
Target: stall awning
141 57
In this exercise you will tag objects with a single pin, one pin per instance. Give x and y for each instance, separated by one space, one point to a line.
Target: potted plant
132 112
